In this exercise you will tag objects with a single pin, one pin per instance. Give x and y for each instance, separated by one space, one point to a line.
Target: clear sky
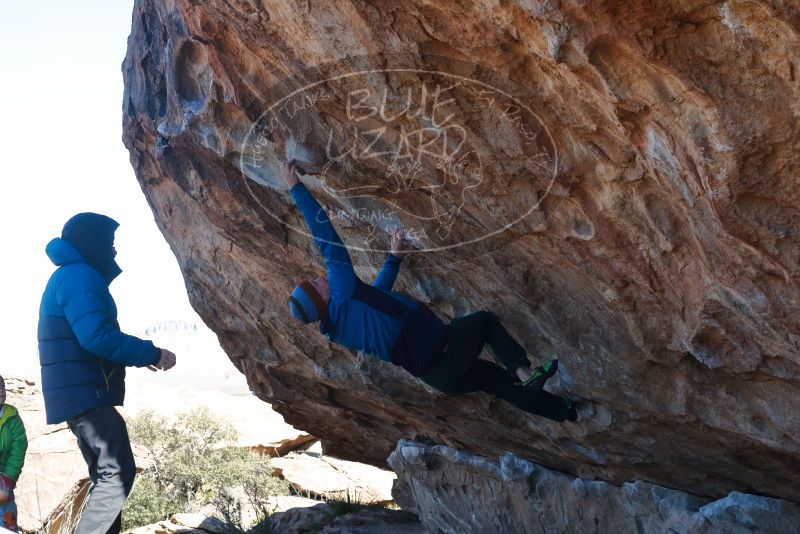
61 153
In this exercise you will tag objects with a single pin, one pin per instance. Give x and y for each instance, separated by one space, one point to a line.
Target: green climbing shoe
540 375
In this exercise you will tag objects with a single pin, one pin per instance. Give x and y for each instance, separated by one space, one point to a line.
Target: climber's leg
465 340
490 378
513 356
491 331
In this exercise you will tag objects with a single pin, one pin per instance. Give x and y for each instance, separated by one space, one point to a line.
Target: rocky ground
454 492
318 519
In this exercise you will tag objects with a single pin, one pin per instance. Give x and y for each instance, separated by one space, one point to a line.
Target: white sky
61 153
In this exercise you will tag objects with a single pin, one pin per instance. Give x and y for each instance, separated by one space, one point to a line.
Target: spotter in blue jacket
82 352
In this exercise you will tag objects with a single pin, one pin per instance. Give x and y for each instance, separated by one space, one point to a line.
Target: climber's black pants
458 369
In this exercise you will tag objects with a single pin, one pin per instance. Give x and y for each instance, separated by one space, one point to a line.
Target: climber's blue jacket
373 319
82 352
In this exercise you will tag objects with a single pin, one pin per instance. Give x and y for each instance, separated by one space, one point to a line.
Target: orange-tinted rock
659 260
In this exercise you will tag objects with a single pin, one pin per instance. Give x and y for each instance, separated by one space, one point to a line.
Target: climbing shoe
572 412
540 375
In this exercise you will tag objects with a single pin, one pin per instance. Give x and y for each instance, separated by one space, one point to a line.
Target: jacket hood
61 252
8 412
88 238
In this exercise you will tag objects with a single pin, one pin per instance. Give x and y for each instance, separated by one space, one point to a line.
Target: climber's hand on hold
289 174
400 247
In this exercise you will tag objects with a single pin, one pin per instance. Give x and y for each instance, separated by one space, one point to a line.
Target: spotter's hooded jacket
370 318
82 352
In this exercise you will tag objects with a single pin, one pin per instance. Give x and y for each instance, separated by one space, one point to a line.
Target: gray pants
103 440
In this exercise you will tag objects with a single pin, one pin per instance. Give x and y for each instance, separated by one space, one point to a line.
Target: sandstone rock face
616 180
330 478
65 516
461 493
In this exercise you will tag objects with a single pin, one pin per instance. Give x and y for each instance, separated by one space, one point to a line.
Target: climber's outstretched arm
341 277
388 274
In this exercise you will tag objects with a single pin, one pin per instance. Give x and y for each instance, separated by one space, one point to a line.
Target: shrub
194 463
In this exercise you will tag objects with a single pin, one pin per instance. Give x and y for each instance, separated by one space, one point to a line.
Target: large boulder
617 180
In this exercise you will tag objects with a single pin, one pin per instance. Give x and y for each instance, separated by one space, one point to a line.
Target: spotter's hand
166 361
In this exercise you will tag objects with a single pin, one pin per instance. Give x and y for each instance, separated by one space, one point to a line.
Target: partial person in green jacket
13 444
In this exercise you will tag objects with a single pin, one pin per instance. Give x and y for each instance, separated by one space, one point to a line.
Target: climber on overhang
403 331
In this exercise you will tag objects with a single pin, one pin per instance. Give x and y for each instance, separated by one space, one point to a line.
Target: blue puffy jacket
82 352
373 319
